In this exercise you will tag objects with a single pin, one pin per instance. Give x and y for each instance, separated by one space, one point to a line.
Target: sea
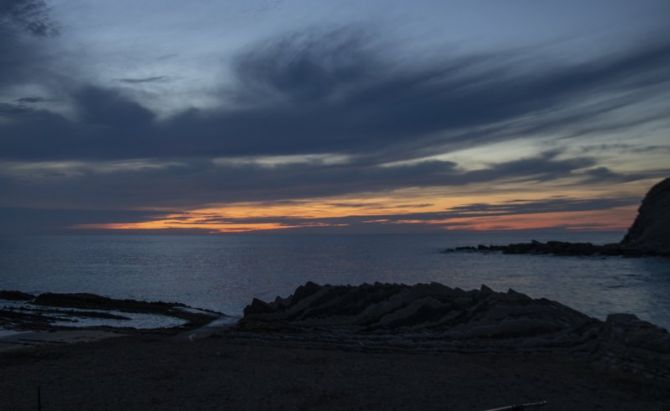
225 272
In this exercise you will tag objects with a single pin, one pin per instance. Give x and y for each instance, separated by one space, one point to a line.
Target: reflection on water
224 272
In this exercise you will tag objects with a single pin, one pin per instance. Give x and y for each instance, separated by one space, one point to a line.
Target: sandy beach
368 347
236 372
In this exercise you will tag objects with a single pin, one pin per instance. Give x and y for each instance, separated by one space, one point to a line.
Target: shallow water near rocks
224 273
67 317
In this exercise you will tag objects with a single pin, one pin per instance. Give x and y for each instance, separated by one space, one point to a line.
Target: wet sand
236 372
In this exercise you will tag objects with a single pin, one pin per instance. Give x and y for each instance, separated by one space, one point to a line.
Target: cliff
651 230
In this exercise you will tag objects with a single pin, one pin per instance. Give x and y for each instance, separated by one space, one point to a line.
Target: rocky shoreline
648 236
418 318
433 317
561 248
21 311
372 346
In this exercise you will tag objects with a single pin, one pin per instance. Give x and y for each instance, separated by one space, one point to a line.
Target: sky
319 116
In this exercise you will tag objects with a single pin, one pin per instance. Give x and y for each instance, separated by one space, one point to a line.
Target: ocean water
225 272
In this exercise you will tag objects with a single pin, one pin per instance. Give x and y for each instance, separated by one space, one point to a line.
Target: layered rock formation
648 236
434 308
436 317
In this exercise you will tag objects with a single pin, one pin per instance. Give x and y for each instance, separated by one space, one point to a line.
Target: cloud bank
315 114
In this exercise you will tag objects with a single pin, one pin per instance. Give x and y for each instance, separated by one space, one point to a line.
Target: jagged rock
433 308
651 229
436 317
257 307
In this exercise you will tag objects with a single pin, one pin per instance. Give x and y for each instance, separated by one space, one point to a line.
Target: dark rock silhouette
436 317
651 229
648 236
398 308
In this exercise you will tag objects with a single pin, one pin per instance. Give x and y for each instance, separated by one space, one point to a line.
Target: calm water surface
225 272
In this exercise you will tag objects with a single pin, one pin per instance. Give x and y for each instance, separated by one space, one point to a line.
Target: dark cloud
604 174
557 204
338 93
33 100
622 148
196 182
13 109
100 107
379 206
23 24
305 67
153 79
27 15
34 220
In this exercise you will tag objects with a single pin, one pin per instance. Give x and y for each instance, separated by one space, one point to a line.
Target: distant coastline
649 235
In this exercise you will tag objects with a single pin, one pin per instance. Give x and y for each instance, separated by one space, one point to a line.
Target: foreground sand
233 372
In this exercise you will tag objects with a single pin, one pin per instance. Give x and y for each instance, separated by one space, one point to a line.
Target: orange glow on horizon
181 224
324 213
